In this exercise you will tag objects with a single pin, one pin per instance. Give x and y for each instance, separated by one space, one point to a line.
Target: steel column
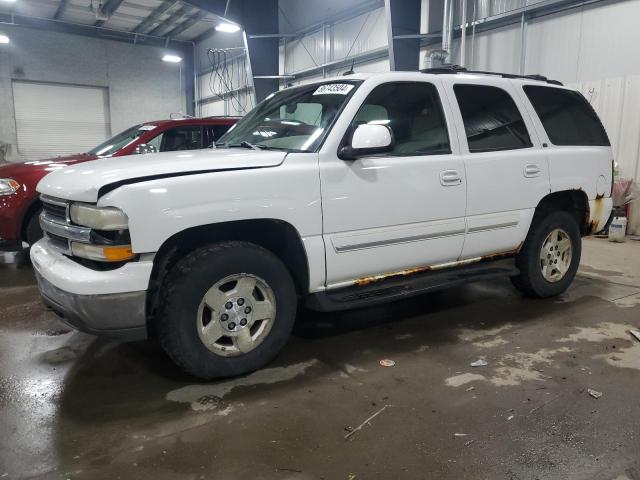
403 20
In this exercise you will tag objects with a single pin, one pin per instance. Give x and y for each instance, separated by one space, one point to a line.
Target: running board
396 288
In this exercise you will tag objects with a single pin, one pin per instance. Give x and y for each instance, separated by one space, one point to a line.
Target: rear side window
491 119
567 117
412 110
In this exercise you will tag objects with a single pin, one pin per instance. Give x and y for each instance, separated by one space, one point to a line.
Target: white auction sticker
333 89
145 128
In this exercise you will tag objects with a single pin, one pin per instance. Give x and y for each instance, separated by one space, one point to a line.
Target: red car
20 203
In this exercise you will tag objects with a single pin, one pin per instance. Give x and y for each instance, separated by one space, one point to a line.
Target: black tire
184 288
33 232
531 281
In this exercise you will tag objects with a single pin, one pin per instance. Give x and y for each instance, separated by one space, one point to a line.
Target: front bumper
108 303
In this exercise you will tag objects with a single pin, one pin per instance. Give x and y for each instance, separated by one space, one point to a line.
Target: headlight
106 218
118 253
8 186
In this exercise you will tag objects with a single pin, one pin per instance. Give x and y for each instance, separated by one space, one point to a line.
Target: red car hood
46 165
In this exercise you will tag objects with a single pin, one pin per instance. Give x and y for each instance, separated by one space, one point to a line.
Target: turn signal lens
118 253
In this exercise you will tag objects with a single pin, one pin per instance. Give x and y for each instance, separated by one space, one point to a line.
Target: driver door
403 209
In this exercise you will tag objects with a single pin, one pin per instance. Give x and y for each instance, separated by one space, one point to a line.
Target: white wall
141 86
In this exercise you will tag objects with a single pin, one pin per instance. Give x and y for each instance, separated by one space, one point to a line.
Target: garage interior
374 393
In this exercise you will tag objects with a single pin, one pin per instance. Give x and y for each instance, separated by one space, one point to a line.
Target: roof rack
450 68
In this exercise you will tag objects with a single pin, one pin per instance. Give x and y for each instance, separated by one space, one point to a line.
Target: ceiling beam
154 16
217 7
15 20
188 23
170 22
108 9
60 10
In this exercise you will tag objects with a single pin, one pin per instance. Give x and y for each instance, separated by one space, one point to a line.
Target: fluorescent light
4 39
9 1
172 58
227 27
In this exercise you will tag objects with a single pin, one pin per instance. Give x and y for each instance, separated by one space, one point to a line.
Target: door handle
531 171
449 178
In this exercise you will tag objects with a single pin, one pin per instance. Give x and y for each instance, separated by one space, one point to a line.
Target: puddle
511 369
208 397
628 301
516 368
496 342
628 357
469 335
59 355
463 379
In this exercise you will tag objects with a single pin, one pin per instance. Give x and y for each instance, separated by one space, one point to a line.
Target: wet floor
76 407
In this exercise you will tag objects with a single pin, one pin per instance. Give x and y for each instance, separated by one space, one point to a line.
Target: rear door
507 169
579 151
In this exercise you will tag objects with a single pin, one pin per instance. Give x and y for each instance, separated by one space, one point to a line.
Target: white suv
335 195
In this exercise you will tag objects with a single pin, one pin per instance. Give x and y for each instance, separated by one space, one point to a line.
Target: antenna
350 72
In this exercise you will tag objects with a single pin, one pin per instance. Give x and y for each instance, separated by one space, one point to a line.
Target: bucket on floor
617 229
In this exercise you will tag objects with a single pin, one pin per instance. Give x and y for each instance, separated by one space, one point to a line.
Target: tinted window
413 112
181 138
491 119
566 116
212 133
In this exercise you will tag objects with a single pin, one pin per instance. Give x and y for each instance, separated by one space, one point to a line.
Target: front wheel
226 309
549 258
33 232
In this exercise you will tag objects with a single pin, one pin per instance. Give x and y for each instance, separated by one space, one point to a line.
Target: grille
59 242
54 211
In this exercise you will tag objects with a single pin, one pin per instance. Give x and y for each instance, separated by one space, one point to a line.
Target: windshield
295 119
121 140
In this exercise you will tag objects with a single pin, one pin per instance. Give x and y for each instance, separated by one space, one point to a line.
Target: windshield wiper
245 144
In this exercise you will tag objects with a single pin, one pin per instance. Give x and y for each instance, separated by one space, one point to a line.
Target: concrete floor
76 407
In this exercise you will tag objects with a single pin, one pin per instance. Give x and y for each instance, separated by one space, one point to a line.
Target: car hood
84 182
12 170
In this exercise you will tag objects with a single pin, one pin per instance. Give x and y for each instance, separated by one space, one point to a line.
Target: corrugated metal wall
338 41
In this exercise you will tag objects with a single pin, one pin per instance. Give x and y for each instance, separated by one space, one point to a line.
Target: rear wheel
226 309
549 258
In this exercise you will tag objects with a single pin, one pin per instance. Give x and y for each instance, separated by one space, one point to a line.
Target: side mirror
145 148
368 139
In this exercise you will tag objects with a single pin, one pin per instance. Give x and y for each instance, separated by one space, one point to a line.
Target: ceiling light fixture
171 58
9 1
4 39
227 27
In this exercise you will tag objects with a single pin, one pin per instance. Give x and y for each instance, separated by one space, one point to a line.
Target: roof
194 121
415 76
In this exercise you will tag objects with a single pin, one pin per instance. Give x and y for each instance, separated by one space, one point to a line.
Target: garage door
54 119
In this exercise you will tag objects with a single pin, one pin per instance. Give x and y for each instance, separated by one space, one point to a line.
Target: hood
11 170
84 182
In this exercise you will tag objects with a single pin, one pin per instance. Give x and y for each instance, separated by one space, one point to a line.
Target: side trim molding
492 227
394 241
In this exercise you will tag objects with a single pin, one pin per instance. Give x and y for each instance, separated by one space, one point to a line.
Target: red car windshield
121 140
